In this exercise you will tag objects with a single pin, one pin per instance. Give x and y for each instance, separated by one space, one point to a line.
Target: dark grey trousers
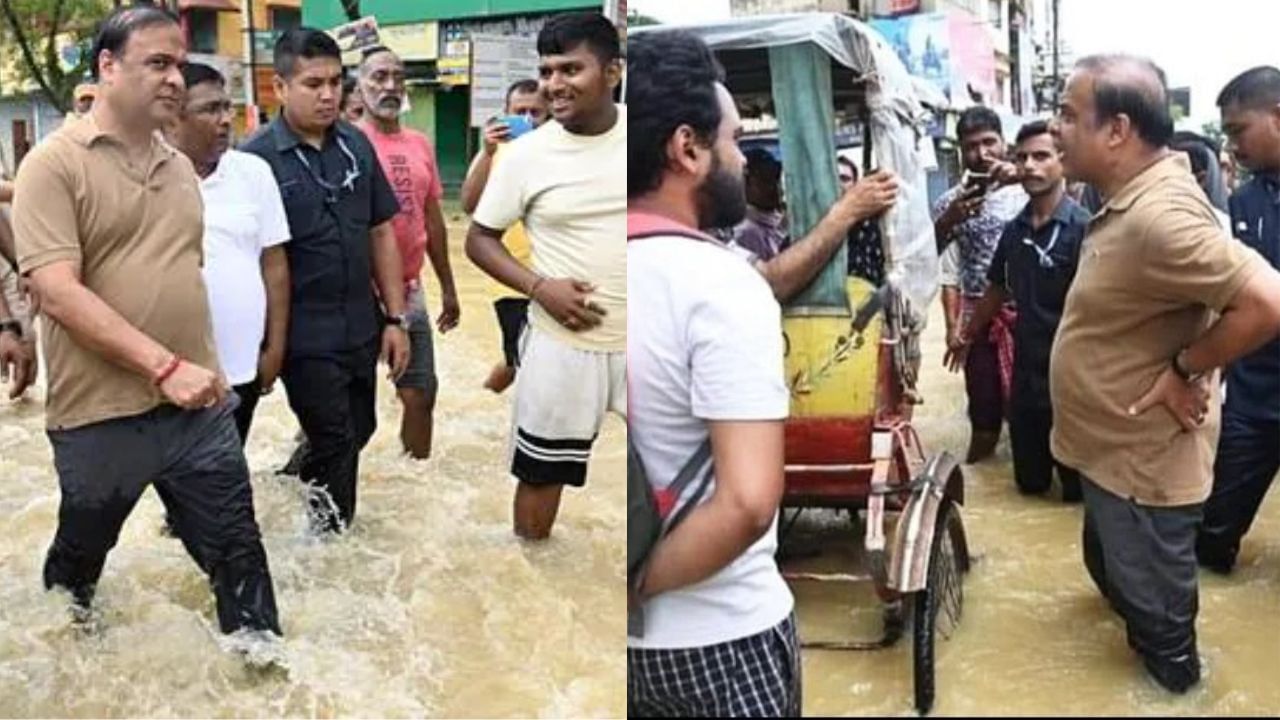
1143 560
195 460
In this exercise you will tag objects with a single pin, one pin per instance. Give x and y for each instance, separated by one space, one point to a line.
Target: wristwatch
1182 370
401 321
11 326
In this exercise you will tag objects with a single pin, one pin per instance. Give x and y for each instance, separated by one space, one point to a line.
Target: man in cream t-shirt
562 182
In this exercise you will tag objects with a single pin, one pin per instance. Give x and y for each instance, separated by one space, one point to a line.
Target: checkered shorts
756 676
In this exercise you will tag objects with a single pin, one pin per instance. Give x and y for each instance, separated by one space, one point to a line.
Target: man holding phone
526 110
973 215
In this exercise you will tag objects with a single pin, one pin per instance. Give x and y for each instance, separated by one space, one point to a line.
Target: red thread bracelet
169 370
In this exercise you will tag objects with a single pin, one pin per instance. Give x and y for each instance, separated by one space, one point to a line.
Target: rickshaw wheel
936 609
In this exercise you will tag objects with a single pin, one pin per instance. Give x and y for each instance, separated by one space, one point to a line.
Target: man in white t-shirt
564 182
705 360
245 228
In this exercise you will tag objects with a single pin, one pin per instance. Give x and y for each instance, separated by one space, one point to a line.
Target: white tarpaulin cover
897 121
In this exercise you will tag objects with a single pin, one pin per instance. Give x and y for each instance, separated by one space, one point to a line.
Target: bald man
1162 299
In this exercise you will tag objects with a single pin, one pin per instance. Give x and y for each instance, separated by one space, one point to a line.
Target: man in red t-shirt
409 162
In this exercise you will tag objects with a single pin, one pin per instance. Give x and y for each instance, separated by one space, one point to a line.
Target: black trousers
333 399
197 465
1143 561
249 394
1247 462
1033 463
982 385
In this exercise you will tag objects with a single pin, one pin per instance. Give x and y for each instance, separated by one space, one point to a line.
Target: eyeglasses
348 179
217 108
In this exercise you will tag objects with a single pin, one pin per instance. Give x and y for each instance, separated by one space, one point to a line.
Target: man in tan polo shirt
1162 298
107 220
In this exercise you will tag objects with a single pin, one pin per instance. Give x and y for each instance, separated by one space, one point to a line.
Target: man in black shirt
340 206
1035 263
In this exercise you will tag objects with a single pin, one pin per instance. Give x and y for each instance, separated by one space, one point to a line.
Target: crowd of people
176 277
1096 296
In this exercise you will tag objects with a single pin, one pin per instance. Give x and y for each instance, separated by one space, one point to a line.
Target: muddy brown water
1035 637
430 607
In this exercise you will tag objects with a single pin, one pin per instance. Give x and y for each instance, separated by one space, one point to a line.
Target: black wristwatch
11 326
401 321
1182 370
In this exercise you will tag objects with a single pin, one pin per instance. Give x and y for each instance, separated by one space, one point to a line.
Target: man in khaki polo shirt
1162 298
108 225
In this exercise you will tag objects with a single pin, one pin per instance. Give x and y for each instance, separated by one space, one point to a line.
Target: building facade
450 95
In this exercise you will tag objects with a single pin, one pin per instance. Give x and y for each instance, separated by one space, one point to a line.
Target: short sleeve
998 275
44 214
949 266
734 335
435 191
273 223
502 203
1189 257
384 203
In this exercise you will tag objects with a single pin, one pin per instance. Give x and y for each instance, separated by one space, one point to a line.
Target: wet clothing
1155 269
333 197
1246 466
1033 462
134 233
1248 456
195 461
421 372
249 394
334 401
1142 559
982 383
755 676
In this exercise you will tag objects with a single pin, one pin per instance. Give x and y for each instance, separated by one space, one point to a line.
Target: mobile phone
517 125
978 183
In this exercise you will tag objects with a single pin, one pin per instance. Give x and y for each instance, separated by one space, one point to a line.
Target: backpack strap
670 495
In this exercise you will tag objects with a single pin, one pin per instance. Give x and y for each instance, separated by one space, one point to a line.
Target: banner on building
953 51
355 37
418 41
497 62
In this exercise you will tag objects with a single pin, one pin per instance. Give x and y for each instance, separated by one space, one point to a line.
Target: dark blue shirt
333 197
1036 267
1253 381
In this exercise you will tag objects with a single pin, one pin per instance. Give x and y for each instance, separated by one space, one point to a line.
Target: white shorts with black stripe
562 396
755 676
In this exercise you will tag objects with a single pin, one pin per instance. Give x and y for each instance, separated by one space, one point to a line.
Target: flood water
1035 637
429 607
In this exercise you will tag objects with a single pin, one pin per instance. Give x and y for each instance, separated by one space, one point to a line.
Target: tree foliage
47 42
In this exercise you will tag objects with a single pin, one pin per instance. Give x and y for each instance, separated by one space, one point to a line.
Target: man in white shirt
706 361
245 228
563 182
